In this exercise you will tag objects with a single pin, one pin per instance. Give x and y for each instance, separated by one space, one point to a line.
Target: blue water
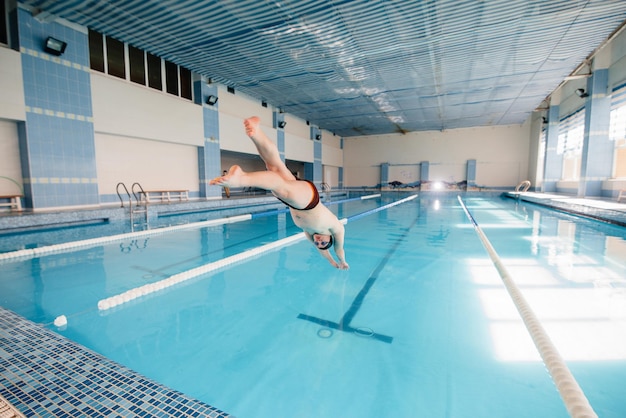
420 326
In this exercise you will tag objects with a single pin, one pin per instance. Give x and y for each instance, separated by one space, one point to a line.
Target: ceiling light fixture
581 93
54 46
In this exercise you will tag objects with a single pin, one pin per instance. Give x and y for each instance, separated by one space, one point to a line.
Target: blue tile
89 385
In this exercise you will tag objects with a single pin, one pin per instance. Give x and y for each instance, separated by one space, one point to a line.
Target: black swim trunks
314 200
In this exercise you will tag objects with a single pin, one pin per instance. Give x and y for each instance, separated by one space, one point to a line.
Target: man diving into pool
319 224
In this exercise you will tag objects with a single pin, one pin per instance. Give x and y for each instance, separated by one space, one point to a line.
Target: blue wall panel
57 141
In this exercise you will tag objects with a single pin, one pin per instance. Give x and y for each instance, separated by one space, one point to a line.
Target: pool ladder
326 190
138 193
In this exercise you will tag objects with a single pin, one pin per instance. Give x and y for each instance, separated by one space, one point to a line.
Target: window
137 65
171 78
115 58
185 83
108 55
154 72
4 27
543 138
570 143
96 51
617 130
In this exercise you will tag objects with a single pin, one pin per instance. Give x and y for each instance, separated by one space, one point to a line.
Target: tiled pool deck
43 374
607 210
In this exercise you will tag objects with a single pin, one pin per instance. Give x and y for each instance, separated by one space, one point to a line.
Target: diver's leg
267 149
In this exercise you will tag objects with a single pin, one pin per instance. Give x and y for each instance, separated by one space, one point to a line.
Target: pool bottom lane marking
345 323
572 395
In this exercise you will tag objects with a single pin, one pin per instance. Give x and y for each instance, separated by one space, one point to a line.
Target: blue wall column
313 171
278 118
340 179
384 174
471 173
424 167
553 162
597 153
340 173
209 157
57 143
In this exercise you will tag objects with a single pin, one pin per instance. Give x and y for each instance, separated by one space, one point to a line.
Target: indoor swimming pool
420 326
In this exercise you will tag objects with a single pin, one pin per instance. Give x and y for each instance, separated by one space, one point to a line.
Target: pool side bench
166 195
14 202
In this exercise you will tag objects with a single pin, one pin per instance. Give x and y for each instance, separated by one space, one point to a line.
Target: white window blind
572 133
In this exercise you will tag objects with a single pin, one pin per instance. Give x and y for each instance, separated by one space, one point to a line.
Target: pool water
420 325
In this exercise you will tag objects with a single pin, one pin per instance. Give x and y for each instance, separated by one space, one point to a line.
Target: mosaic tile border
601 209
43 374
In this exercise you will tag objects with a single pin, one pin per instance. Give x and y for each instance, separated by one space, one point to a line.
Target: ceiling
367 67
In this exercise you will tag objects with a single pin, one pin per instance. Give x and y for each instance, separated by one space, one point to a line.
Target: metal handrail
130 202
140 191
117 190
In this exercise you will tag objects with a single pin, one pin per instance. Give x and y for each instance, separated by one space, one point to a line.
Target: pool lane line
159 271
346 328
279 211
134 293
344 323
92 242
572 395
131 294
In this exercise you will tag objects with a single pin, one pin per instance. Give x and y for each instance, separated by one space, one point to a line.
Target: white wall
128 109
330 176
145 136
155 165
242 106
332 154
298 148
501 153
297 127
233 110
10 166
298 143
12 104
405 173
233 136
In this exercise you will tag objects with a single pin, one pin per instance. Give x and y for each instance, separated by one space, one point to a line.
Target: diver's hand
342 265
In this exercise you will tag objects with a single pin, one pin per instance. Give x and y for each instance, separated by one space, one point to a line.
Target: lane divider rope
146 289
132 294
572 395
336 202
72 245
92 242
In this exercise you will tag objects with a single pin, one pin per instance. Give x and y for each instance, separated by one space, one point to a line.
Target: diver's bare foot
232 179
252 126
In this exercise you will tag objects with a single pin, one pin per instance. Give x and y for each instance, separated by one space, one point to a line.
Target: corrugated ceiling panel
363 66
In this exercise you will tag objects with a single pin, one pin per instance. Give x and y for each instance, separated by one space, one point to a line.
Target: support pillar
597 153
